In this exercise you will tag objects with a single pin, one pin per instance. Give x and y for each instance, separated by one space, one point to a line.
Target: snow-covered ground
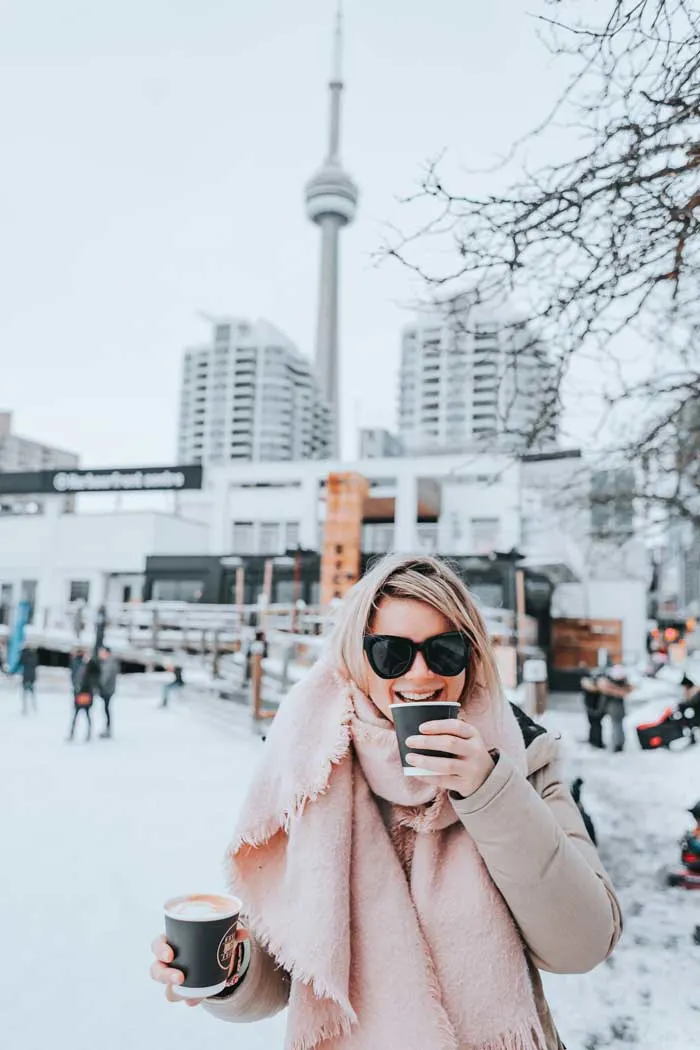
95 837
647 995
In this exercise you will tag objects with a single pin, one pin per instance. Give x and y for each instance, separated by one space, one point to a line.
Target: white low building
53 558
538 506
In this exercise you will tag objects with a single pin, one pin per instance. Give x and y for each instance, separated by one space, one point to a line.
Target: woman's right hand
162 972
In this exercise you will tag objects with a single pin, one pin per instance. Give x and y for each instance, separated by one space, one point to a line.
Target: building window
270 537
177 590
377 539
243 537
427 535
5 603
27 593
79 591
486 533
531 532
291 535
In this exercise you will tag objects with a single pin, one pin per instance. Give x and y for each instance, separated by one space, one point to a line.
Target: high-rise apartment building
470 378
250 395
22 454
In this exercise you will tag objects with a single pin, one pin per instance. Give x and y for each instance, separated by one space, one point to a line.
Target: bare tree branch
603 241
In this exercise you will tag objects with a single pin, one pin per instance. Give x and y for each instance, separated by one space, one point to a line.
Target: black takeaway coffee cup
408 718
201 930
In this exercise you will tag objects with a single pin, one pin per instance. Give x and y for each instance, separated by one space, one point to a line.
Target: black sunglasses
390 656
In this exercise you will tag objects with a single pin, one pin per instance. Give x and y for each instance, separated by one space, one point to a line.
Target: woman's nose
419 668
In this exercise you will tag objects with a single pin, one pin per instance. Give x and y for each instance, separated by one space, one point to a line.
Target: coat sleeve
533 841
263 992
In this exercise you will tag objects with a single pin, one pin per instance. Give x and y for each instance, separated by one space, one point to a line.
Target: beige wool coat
531 837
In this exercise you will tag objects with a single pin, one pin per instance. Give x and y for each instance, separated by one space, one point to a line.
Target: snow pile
96 836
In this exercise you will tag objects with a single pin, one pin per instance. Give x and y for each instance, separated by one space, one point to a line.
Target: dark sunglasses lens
448 654
389 657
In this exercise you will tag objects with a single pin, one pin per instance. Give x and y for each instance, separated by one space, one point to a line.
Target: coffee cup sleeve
240 969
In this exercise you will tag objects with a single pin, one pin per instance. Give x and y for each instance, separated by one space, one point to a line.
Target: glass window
243 537
79 591
284 591
488 594
177 590
270 537
291 535
531 531
485 534
5 603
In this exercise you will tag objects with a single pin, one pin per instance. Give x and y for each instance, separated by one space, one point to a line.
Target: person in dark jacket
85 672
177 683
595 704
604 694
29 659
615 687
691 693
109 670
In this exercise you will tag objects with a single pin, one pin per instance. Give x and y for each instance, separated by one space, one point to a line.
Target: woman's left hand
472 764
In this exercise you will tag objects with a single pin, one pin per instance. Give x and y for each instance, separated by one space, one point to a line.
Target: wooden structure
342 534
576 642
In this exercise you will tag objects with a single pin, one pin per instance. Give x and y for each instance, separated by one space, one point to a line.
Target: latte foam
199 907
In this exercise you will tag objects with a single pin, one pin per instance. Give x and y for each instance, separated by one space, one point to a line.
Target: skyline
158 162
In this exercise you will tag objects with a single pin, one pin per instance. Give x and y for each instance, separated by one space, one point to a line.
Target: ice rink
95 837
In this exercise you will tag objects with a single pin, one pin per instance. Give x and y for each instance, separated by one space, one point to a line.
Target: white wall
173 535
54 549
115 587
462 501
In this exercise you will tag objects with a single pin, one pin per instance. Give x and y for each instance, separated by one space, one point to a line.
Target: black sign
126 479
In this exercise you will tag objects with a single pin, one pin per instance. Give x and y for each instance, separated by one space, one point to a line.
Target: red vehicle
688 877
680 722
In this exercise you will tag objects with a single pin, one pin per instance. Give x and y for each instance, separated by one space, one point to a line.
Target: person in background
604 694
177 684
109 670
254 646
86 682
75 663
615 687
691 691
100 627
29 659
594 703
79 618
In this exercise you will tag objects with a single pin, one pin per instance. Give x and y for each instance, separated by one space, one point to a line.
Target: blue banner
16 639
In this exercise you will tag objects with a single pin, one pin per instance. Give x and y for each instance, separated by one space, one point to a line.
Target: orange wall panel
342 535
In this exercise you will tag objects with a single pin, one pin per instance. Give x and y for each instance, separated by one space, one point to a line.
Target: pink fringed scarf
394 940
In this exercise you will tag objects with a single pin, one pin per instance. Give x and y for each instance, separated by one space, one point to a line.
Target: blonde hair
420 578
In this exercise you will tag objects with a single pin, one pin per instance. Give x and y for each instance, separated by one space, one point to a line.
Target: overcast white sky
154 158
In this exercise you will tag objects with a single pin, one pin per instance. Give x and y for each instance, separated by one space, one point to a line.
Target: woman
85 675
412 912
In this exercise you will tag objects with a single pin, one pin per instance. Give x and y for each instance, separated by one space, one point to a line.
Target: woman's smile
408 695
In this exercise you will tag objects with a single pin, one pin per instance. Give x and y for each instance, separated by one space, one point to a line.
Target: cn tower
331 202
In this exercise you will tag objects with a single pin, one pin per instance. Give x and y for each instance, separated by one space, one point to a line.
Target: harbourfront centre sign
128 479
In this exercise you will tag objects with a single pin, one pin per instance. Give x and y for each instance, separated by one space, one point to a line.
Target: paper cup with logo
408 718
201 930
